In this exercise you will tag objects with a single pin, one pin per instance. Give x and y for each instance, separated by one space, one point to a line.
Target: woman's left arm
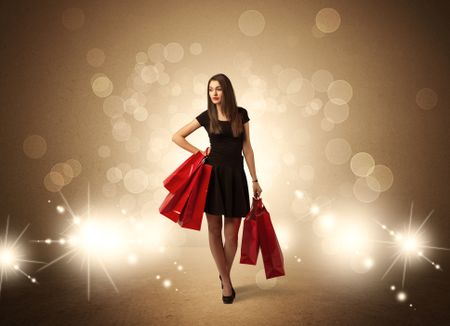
248 151
250 158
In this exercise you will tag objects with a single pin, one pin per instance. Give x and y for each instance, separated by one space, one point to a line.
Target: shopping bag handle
206 156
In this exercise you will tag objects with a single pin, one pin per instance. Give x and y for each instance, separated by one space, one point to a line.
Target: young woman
229 133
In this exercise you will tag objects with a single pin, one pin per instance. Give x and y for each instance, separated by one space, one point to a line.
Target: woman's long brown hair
228 106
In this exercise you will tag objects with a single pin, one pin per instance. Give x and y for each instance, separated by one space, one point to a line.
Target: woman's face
215 91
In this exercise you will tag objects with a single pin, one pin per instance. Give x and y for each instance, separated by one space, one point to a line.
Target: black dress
228 193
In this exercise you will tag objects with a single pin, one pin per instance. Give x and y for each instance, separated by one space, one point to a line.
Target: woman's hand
208 150
256 189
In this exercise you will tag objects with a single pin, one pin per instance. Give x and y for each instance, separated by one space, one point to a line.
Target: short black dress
228 193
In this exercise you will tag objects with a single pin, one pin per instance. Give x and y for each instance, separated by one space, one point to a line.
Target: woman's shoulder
244 114
203 117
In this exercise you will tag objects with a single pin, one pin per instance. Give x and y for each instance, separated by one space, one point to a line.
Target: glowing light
132 259
10 257
60 209
352 239
401 296
392 287
368 262
327 221
180 268
300 194
91 239
324 224
410 244
7 257
158 277
315 209
167 283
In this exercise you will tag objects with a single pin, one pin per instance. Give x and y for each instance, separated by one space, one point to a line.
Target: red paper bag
173 204
250 241
270 248
178 178
179 182
192 215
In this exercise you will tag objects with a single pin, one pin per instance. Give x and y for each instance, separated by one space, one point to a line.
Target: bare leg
231 230
216 246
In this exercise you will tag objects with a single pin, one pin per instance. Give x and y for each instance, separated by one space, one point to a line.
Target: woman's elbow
247 150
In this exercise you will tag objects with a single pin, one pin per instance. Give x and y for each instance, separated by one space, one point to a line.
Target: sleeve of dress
245 117
202 118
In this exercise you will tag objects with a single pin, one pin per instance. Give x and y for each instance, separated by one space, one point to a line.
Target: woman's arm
179 137
248 152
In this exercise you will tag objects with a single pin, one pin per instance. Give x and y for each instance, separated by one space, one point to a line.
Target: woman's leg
231 230
216 246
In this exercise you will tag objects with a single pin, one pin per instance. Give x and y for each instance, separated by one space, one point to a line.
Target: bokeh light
328 20
251 22
34 146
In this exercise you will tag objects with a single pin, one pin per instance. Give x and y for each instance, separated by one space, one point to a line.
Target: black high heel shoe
234 293
226 299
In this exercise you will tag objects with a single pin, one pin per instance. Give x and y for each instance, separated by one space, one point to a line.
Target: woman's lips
216 98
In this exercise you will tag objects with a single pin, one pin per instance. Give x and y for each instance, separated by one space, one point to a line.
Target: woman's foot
227 290
228 300
228 294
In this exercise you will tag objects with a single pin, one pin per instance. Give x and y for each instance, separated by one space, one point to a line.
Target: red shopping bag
270 248
173 204
192 215
178 178
250 241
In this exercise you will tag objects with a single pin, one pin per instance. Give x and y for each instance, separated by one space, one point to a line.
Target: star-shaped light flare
409 244
89 239
10 258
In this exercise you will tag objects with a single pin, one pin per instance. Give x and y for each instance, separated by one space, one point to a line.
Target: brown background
387 51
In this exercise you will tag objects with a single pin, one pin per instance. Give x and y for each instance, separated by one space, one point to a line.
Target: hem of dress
226 216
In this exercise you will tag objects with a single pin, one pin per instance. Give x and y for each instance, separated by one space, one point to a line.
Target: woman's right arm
179 137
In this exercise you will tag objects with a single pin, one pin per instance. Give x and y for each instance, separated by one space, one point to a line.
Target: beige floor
310 294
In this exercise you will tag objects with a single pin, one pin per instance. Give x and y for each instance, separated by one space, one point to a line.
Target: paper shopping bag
270 248
250 241
178 178
192 215
173 204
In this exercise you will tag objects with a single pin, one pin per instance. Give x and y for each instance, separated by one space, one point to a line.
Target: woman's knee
231 237
231 230
214 224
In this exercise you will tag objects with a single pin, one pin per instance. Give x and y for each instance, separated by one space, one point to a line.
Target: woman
228 130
